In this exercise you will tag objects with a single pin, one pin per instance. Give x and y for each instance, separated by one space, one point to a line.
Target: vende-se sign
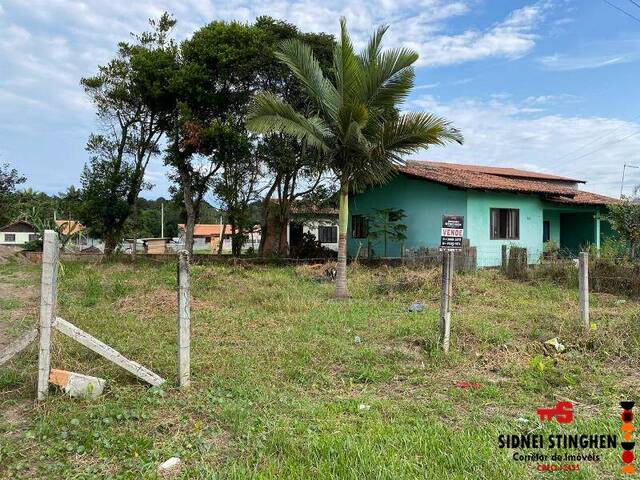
451 232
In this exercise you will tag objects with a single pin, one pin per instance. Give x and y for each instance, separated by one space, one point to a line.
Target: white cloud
563 63
501 132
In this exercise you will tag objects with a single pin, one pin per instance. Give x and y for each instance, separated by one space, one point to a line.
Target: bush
559 271
311 248
517 265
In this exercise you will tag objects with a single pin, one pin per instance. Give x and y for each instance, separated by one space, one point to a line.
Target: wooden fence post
445 299
583 287
184 319
48 291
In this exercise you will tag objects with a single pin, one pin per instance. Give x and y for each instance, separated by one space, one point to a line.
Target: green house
500 206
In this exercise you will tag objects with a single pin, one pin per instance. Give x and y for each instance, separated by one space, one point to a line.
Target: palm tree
357 125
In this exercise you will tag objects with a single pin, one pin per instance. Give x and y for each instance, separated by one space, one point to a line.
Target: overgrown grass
290 383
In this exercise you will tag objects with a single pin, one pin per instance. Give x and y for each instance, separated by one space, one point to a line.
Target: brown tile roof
211 229
207 229
21 224
499 171
585 198
69 227
561 189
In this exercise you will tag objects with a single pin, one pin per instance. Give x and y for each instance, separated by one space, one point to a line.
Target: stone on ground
170 468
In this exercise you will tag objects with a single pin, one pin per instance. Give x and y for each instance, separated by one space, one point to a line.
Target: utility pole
162 220
624 168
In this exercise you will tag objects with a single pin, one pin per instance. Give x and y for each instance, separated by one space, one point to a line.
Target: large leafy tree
356 124
625 220
9 180
129 94
213 85
293 171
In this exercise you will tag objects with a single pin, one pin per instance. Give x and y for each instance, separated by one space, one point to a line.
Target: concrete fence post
445 300
48 293
583 287
184 319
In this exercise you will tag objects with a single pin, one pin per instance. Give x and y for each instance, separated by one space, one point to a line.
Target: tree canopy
355 123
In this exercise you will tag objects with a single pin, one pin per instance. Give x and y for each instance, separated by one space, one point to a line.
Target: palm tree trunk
343 221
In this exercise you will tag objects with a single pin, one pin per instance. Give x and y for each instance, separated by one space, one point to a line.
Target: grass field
289 383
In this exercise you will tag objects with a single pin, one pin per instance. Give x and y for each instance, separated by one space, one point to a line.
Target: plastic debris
357 339
416 307
465 384
555 343
363 407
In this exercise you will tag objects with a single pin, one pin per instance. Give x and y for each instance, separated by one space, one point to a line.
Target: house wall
424 203
477 225
21 238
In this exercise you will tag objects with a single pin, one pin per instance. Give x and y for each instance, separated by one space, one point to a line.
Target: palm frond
414 131
390 80
347 66
268 114
371 53
300 59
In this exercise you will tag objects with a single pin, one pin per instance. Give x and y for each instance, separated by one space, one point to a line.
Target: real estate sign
452 232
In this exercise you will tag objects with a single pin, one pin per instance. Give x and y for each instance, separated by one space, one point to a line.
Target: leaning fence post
184 319
48 292
445 292
583 286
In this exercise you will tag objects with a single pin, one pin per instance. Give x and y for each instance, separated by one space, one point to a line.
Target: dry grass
280 370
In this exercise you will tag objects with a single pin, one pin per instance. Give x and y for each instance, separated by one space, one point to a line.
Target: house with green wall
500 206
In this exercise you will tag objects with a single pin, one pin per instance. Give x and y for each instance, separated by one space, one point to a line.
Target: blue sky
549 85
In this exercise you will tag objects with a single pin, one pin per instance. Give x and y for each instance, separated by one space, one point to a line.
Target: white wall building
323 225
17 233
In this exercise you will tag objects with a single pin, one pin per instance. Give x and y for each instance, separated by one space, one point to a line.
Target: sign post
451 234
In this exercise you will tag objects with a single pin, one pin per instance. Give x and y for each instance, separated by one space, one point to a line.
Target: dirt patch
149 303
16 418
6 252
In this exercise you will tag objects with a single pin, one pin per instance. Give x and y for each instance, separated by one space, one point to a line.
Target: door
546 231
295 235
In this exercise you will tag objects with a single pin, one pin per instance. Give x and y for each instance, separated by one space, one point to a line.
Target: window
33 237
505 224
9 237
328 234
359 226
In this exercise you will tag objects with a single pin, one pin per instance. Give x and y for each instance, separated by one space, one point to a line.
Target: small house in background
207 236
149 246
17 233
155 246
322 223
500 206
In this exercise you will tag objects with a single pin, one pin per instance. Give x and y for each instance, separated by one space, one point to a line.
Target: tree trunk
110 244
343 221
190 211
224 227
